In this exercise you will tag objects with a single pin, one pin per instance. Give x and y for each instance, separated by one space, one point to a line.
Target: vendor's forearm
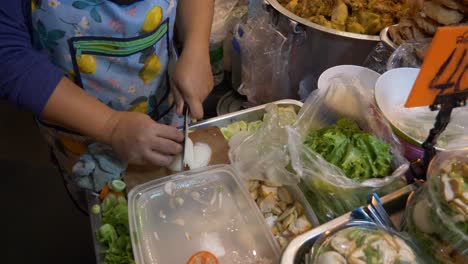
71 107
194 20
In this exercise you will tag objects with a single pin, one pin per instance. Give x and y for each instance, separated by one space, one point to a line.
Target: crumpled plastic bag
278 153
97 167
409 54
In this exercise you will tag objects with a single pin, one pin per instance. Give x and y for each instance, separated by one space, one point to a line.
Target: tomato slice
203 257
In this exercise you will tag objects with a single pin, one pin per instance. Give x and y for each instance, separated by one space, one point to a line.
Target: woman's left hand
192 80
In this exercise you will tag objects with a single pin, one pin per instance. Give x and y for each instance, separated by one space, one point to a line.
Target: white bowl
367 76
413 124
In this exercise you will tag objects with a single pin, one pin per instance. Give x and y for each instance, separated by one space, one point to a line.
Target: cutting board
212 136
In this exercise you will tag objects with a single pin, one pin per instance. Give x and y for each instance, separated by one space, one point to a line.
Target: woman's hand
139 140
192 80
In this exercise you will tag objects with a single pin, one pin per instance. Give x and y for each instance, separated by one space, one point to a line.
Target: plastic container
363 242
173 218
437 216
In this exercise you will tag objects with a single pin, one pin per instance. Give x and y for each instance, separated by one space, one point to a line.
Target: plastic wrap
437 216
409 54
264 56
280 153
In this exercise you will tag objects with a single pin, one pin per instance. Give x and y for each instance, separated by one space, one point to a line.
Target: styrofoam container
175 217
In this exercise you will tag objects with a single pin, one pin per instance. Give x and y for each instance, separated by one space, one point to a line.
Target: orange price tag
444 68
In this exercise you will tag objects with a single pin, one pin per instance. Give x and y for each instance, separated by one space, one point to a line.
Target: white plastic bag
264 58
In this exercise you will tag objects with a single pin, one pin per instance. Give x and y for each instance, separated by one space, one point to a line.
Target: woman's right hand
139 140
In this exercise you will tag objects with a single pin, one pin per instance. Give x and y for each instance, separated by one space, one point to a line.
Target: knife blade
185 131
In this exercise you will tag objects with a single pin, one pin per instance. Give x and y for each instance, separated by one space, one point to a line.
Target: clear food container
437 215
363 242
173 218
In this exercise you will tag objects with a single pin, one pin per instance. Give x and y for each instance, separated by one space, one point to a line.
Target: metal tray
247 115
394 203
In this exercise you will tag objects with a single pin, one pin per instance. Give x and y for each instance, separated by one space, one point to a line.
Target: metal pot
317 48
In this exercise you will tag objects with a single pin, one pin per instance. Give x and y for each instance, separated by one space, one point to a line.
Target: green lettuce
359 155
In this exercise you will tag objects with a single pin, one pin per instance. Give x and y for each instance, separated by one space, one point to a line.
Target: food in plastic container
437 216
283 213
173 218
361 242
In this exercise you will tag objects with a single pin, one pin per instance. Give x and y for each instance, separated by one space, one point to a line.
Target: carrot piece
104 192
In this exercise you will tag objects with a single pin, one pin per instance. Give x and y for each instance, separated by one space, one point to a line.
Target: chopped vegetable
96 209
118 186
360 155
114 232
104 192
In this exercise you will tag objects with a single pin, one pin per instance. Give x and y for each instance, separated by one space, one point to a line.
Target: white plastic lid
173 218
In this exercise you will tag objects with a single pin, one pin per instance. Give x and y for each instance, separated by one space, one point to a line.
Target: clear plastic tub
437 215
173 218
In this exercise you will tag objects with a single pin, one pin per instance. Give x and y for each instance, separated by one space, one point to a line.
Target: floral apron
119 53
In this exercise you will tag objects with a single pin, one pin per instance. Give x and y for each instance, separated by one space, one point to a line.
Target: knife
185 131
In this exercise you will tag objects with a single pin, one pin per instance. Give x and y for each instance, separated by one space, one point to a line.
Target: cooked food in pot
356 16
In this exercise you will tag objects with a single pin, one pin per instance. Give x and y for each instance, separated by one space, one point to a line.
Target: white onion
195 156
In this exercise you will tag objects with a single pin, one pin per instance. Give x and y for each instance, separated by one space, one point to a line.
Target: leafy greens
114 233
360 155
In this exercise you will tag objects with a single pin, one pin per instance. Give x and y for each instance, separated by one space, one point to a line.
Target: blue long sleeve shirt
27 77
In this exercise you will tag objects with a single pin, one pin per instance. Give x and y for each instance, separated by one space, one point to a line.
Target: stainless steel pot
317 48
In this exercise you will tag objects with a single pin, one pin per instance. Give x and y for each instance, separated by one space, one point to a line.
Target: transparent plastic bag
264 61
221 19
281 153
264 155
437 216
455 135
377 59
409 54
325 185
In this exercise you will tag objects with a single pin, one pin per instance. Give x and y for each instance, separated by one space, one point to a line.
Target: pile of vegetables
359 155
114 232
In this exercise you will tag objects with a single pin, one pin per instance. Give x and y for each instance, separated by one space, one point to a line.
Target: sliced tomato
203 257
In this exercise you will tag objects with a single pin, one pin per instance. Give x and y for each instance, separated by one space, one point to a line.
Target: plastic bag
409 54
377 59
436 216
287 159
325 185
264 155
221 18
455 135
264 61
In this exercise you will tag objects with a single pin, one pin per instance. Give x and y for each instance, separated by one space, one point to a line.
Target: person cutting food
98 71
